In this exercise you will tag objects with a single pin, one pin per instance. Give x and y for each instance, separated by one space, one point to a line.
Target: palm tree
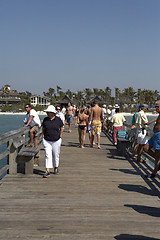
88 93
96 91
51 92
58 89
79 96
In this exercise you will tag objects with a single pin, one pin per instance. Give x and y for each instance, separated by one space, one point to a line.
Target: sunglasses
157 106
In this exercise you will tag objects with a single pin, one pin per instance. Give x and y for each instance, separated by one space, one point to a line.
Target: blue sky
79 44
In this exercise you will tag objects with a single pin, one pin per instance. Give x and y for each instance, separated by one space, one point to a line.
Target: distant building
98 99
8 96
64 101
38 100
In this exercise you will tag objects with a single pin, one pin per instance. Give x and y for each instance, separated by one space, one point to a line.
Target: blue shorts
69 118
154 141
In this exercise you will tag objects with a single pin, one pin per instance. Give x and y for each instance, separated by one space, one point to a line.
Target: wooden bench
122 145
27 157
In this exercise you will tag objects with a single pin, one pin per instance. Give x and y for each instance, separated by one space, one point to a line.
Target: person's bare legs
35 141
80 135
157 162
98 139
31 135
139 151
69 127
83 137
148 150
92 140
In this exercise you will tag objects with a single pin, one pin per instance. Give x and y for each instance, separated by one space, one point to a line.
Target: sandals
28 145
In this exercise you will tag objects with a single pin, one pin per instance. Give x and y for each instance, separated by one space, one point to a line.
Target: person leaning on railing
33 121
141 132
154 142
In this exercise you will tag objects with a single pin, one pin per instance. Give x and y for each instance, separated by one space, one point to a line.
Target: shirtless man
154 142
69 115
96 117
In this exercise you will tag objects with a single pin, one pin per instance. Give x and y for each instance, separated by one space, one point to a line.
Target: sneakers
46 175
56 171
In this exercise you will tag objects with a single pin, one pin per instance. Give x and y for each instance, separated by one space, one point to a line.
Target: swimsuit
96 127
82 127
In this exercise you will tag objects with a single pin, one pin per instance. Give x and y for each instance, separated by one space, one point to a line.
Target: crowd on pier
91 119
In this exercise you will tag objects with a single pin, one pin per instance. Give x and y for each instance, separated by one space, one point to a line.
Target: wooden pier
98 194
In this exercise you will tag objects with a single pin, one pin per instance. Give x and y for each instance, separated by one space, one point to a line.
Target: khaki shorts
36 128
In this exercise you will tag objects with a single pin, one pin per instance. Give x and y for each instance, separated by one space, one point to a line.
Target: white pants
142 136
52 151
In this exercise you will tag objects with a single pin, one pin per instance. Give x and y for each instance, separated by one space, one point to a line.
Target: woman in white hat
52 131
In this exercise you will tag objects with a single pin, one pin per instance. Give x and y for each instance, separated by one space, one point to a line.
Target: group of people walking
90 120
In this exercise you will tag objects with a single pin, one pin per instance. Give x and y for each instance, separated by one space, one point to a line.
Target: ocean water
12 122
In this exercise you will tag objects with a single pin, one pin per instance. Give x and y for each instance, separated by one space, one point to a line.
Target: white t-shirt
141 119
35 119
113 111
104 112
61 116
108 114
63 110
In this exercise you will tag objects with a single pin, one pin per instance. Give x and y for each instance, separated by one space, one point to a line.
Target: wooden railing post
12 158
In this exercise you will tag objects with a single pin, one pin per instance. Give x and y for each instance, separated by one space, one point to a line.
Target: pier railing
11 143
132 134
132 137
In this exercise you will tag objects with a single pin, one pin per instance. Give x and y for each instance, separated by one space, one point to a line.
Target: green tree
69 93
79 96
96 91
87 93
51 92
58 89
107 95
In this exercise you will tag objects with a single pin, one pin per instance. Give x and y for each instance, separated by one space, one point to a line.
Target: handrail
149 134
12 143
132 134
12 134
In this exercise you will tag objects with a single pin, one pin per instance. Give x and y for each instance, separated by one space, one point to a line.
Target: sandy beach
20 113
43 113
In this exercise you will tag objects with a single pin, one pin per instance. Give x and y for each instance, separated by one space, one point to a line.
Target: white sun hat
116 106
50 108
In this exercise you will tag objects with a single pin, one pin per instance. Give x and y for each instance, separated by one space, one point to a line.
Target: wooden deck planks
97 195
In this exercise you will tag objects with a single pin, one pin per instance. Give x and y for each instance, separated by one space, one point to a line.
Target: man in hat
113 111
